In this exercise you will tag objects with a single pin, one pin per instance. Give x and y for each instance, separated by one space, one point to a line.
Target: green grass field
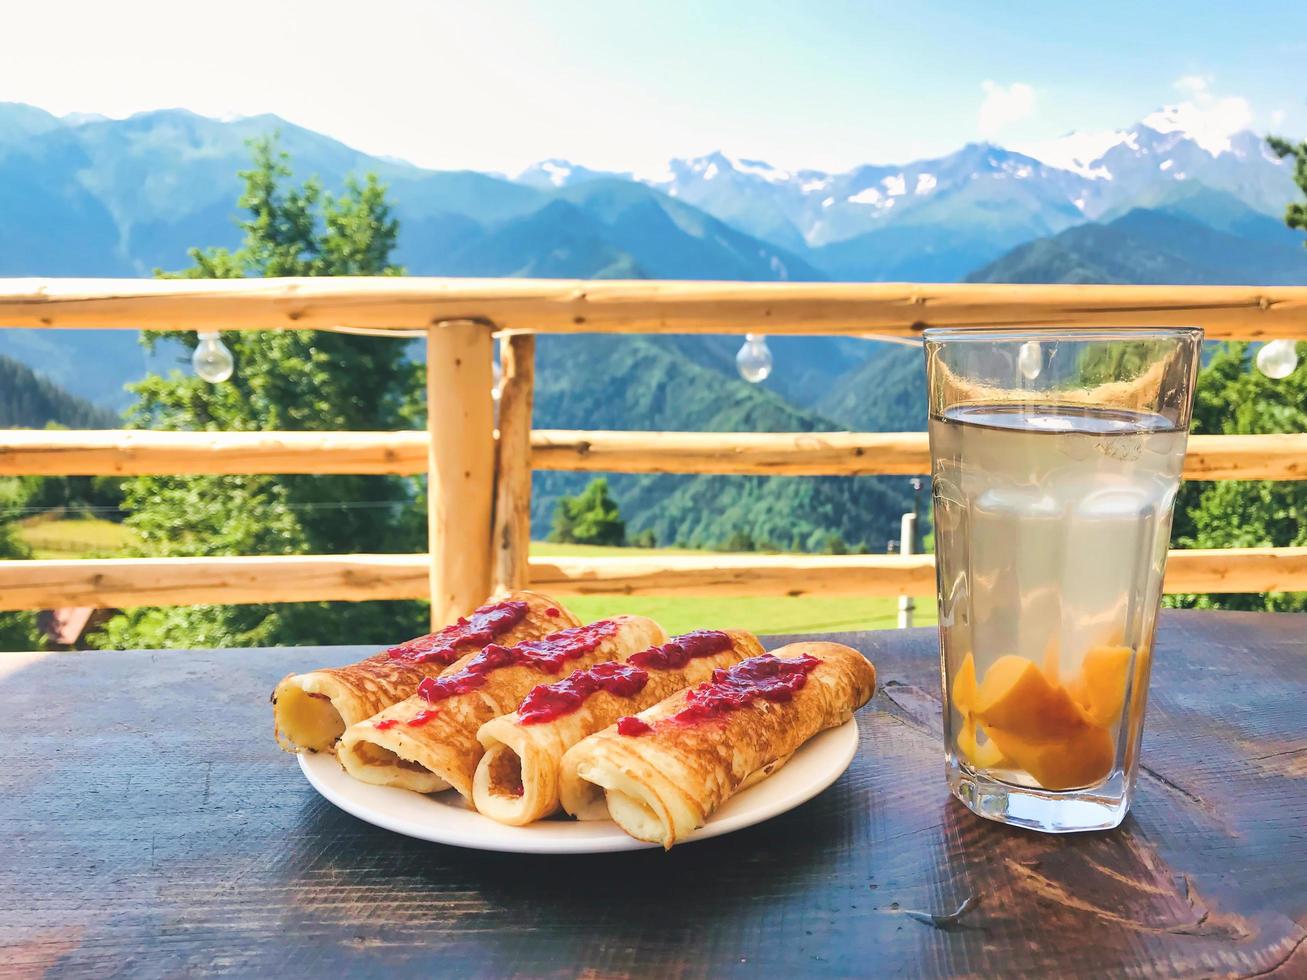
91 537
74 537
547 549
797 614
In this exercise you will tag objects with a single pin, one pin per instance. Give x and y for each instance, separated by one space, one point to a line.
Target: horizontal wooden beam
1266 457
736 575
1214 570
1261 457
123 582
747 453
1237 570
642 306
134 452
146 452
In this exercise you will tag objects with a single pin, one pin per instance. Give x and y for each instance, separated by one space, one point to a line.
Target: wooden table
149 826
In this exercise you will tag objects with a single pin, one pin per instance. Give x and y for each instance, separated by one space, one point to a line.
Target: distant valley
1151 203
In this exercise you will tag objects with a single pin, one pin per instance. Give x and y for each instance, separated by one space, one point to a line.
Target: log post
511 538
460 471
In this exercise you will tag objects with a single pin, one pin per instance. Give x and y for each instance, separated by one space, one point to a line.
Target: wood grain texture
739 575
460 467
642 306
1264 457
140 452
152 828
114 583
510 537
118 582
135 452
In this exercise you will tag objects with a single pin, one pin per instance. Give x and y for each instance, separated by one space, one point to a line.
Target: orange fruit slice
987 756
1017 697
964 686
1100 687
1082 758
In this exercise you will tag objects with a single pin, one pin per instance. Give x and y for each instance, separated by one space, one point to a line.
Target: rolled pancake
428 742
663 772
516 781
312 710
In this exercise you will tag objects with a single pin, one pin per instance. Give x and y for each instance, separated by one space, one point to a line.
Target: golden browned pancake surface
312 710
428 741
516 781
661 774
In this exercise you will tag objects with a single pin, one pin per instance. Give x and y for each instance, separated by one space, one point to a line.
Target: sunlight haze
626 86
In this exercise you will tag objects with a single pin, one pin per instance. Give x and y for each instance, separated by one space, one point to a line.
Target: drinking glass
1056 457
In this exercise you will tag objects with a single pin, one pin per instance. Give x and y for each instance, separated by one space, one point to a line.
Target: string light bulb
1030 360
1278 359
754 360
212 358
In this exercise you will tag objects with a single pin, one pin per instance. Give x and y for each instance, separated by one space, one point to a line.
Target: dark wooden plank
151 827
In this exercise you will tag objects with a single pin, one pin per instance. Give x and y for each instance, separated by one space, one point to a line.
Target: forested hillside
30 401
647 383
885 393
1166 247
1155 207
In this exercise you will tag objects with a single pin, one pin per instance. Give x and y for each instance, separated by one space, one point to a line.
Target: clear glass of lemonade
1056 457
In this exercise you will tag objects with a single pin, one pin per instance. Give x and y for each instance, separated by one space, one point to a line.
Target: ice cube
1022 502
1116 504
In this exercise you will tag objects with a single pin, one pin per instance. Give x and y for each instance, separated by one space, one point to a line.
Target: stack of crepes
661 773
312 710
608 720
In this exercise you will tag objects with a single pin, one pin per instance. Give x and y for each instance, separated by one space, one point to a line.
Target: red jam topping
384 724
442 647
623 679
683 649
553 611
421 718
550 701
632 726
547 655
765 678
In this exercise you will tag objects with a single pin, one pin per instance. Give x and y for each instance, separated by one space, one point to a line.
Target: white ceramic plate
444 817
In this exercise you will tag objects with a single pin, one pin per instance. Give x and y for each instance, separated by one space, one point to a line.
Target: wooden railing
479 477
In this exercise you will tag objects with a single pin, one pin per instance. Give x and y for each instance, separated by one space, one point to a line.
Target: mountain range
89 195
939 219
1150 203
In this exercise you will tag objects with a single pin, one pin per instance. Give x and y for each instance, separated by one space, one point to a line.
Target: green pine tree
17 629
591 517
284 380
739 540
1295 215
644 539
1234 399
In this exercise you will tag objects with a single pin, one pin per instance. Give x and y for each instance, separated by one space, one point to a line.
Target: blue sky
624 85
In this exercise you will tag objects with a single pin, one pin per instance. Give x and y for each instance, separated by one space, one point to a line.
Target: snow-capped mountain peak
1211 130
557 172
1214 130
1040 187
718 164
1080 153
762 169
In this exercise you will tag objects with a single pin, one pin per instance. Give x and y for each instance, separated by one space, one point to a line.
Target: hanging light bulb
1030 360
212 359
754 359
1278 359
